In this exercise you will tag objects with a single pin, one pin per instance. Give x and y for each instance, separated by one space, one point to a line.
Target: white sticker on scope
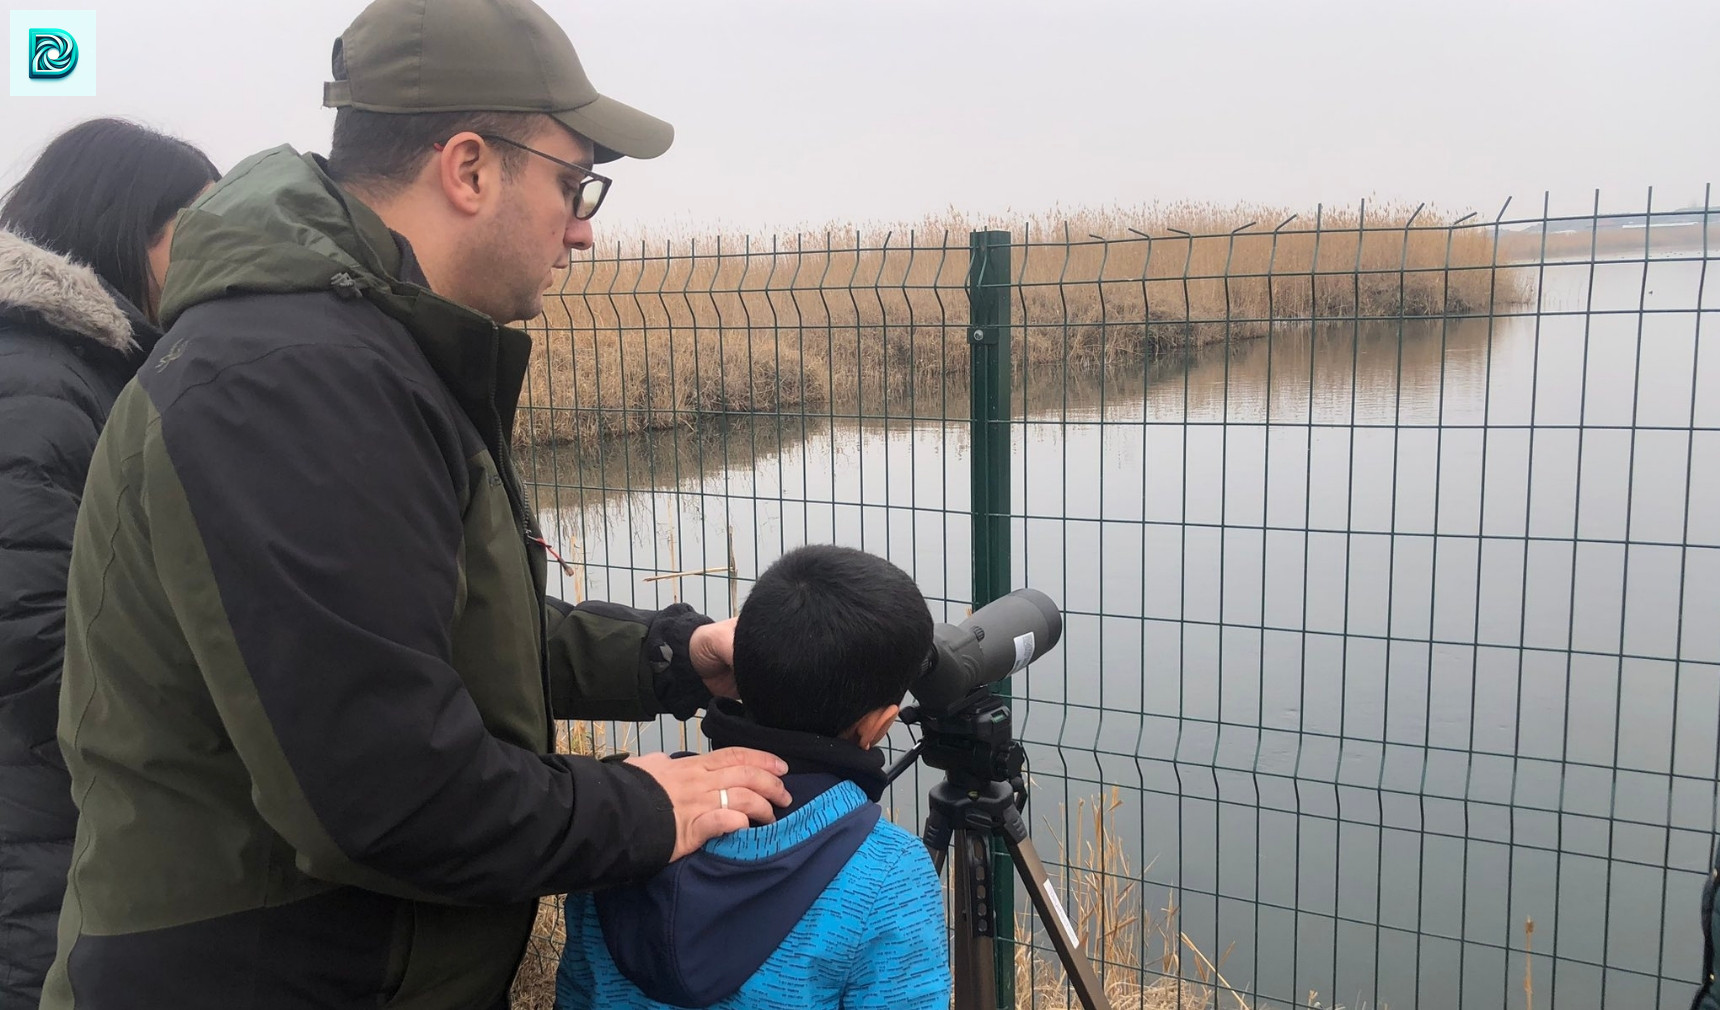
1023 653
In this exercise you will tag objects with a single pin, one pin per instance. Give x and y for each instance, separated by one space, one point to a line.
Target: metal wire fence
1389 547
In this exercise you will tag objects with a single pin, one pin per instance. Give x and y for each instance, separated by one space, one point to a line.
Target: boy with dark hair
831 906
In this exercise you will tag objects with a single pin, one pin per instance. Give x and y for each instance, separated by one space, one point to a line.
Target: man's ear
871 727
463 167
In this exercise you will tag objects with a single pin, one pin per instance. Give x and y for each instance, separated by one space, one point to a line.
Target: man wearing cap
311 669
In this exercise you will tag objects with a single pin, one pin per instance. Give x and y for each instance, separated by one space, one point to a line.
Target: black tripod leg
1075 964
974 971
937 838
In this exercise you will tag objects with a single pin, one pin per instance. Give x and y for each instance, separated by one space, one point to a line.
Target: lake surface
1389 637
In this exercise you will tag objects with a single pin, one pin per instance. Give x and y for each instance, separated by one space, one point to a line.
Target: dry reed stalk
1101 889
1529 963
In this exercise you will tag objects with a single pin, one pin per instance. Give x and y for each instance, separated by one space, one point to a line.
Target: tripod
980 799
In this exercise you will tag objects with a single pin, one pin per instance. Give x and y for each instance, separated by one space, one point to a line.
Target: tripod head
974 746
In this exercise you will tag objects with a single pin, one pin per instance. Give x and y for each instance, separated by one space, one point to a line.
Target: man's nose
579 235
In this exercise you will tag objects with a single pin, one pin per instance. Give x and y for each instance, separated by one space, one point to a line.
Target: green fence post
989 295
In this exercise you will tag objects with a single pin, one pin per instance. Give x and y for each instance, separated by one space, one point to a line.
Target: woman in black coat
84 240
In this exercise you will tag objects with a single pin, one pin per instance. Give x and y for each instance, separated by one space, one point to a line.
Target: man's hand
712 652
696 786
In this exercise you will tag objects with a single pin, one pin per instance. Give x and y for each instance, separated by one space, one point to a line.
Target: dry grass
534 983
674 331
1144 963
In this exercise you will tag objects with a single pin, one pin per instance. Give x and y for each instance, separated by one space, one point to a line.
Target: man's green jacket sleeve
607 661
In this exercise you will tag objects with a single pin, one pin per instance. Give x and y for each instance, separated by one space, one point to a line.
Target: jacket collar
727 724
278 223
69 297
483 364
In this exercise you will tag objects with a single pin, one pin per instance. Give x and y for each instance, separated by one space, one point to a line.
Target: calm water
1390 638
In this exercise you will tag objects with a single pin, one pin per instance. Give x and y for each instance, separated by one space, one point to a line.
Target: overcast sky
800 112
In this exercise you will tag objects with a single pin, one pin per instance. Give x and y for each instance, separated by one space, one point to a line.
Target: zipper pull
345 285
566 568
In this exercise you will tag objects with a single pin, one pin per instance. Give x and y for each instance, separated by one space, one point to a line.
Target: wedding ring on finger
723 798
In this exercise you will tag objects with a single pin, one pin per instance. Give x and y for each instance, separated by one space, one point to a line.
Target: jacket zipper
517 504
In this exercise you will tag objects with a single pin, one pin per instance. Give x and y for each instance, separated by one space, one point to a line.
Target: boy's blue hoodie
830 906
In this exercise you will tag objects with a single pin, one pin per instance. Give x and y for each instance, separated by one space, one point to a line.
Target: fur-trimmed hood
61 292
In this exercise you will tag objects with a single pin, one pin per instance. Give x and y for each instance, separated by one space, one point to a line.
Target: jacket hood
275 224
692 935
63 293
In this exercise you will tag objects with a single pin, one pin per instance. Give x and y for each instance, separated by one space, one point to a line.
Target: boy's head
828 642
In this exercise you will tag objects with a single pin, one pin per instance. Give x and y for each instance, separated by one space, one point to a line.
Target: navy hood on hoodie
675 935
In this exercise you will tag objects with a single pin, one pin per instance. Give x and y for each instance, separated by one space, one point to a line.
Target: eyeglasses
588 192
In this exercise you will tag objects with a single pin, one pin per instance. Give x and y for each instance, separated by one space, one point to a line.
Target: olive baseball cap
403 56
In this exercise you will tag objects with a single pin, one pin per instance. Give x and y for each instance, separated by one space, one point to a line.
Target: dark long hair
102 192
